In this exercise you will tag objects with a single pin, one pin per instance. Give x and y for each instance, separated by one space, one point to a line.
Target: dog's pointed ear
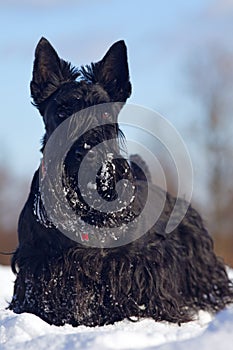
113 72
49 72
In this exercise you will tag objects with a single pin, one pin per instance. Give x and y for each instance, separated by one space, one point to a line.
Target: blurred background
181 65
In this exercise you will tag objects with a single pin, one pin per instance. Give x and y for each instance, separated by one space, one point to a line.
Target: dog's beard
90 199
107 203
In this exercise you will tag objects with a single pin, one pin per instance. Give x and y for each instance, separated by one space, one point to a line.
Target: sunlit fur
163 276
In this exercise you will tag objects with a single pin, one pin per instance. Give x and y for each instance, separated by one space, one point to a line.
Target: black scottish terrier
160 275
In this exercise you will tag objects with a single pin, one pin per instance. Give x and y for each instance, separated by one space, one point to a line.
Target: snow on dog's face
94 163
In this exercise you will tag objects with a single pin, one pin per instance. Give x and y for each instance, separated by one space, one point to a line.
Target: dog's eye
91 155
62 114
106 115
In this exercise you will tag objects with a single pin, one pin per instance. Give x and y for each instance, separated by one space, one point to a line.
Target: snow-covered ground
29 332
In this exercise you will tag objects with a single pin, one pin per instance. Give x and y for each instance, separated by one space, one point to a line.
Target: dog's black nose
81 152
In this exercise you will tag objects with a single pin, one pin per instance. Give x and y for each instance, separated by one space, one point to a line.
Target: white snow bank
26 331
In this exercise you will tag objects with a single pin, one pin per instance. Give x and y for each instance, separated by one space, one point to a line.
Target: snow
26 331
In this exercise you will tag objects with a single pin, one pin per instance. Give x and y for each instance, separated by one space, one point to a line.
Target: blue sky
161 36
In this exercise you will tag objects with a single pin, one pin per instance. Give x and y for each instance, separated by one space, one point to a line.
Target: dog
158 275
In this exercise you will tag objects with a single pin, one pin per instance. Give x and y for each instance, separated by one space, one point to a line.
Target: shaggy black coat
163 276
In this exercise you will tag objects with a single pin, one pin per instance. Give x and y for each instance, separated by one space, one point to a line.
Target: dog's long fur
164 276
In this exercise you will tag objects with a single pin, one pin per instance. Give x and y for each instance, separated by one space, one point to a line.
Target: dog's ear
112 72
49 72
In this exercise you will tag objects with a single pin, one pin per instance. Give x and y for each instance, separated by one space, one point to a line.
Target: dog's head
60 91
